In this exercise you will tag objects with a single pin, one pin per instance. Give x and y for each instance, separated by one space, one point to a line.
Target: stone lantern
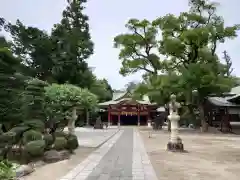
175 142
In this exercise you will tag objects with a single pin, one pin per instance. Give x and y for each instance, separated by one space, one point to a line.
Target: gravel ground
209 156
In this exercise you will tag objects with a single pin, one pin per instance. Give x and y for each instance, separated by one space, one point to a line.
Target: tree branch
148 47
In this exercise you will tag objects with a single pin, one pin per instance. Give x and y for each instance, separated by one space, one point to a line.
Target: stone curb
82 170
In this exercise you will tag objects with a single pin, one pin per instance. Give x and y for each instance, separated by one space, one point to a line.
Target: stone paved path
123 157
117 164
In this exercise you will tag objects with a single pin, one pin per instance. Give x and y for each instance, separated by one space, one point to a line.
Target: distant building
224 109
123 109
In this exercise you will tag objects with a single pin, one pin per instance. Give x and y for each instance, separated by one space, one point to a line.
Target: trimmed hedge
72 142
60 143
35 148
31 135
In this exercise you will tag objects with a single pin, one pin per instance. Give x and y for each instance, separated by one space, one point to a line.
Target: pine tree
74 46
11 87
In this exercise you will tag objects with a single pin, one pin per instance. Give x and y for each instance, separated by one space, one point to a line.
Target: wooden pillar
119 120
109 117
149 120
138 115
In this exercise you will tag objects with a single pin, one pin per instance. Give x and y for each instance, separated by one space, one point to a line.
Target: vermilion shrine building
124 110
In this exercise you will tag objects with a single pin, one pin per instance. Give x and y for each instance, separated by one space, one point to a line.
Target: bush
37 125
48 138
72 142
8 138
31 135
60 143
19 131
61 134
6 170
35 148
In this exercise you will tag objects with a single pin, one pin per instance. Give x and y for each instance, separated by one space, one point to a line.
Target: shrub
35 148
31 135
60 143
48 138
72 142
19 132
8 138
37 125
60 134
6 170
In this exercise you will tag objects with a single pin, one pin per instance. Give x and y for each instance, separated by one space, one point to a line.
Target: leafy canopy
60 56
66 96
183 46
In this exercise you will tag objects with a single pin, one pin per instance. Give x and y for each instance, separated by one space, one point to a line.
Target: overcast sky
107 19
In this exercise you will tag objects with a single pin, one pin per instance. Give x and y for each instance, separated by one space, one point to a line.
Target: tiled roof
119 97
220 101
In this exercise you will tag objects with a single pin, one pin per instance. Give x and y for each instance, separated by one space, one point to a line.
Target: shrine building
124 110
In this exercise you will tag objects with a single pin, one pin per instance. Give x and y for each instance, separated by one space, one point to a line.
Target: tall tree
190 41
102 89
11 87
34 47
138 48
187 46
74 46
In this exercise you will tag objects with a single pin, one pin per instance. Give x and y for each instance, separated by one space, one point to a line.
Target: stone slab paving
89 137
142 168
117 163
83 170
123 157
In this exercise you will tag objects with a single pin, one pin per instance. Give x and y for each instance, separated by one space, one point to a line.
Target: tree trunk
204 124
71 121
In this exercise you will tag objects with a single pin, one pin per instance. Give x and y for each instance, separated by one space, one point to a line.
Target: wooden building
124 110
221 111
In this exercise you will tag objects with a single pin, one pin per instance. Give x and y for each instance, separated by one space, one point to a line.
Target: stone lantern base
175 147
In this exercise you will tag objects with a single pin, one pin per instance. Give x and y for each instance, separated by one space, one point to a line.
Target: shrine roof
119 101
125 96
222 101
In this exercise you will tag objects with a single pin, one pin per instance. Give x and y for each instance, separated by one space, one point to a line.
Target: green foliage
136 47
8 138
19 131
59 56
61 98
31 135
74 46
61 134
102 90
48 138
187 48
72 142
37 125
7 170
60 143
34 99
35 148
159 87
11 87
